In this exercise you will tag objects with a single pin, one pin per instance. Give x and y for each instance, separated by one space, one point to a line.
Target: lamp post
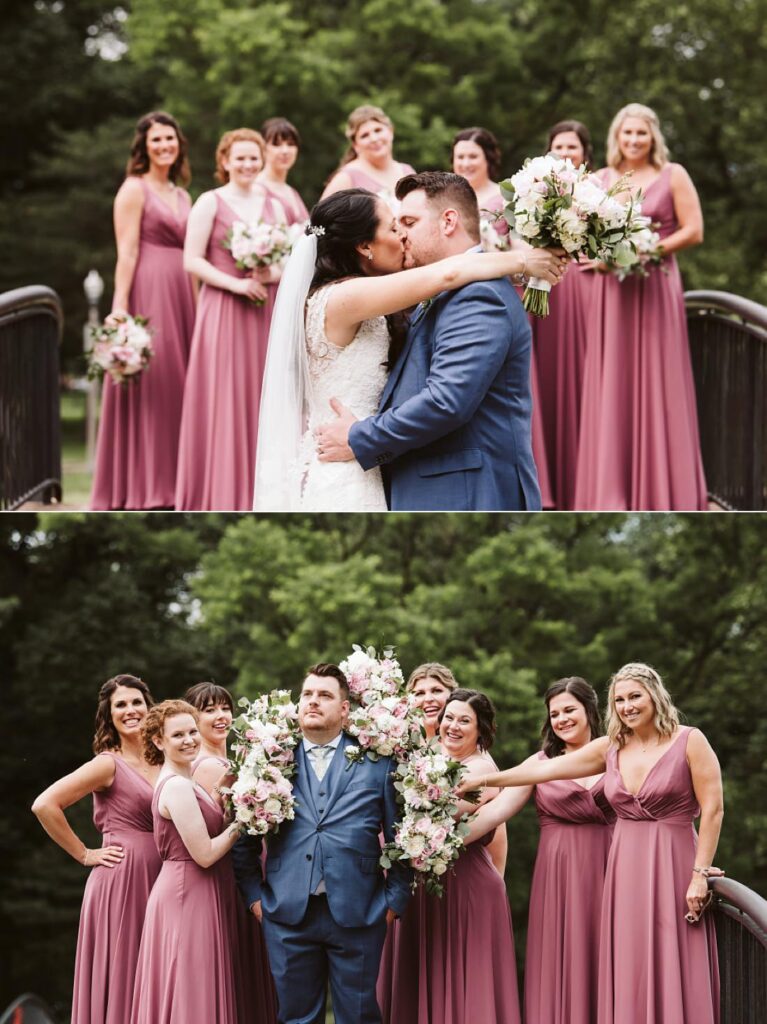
93 286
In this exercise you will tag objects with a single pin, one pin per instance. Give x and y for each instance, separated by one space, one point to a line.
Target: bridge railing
741 932
728 346
30 434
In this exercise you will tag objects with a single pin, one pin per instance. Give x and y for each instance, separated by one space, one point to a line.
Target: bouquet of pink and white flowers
266 734
260 244
122 350
640 250
428 836
491 232
553 204
383 718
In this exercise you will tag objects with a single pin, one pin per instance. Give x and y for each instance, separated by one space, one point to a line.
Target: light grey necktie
320 758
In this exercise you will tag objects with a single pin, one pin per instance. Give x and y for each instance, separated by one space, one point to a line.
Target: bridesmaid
185 969
638 446
654 965
559 343
138 434
368 162
477 157
281 145
256 998
219 425
125 867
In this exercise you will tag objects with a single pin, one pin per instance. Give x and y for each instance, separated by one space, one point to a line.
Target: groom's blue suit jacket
342 828
453 428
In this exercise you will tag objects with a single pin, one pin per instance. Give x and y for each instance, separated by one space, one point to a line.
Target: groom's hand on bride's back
332 438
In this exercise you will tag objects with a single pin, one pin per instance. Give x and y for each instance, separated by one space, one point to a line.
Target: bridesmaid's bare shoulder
130 195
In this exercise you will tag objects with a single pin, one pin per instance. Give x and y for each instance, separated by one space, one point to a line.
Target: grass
76 475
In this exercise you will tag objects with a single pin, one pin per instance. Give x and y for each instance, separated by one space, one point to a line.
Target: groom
324 902
453 427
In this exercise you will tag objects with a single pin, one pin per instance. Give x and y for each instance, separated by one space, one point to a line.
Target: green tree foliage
434 65
510 602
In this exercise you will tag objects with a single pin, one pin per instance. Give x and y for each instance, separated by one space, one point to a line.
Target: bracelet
703 871
85 856
523 271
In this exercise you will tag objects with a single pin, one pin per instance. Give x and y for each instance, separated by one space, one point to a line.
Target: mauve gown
562 959
295 210
450 959
186 963
219 425
638 446
254 987
137 444
362 180
654 967
115 901
559 348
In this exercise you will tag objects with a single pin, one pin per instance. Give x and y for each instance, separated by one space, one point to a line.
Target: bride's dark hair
341 222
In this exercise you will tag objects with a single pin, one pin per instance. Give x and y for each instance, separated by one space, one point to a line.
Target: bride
336 331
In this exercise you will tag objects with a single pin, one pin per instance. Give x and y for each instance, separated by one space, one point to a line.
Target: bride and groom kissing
433 410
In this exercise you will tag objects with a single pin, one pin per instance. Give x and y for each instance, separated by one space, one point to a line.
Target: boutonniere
353 755
421 309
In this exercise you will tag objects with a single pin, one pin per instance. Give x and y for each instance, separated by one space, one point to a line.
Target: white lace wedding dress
356 376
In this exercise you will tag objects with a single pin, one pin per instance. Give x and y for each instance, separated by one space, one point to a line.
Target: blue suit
453 429
334 837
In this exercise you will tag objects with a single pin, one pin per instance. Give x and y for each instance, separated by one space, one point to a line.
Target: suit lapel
340 772
303 783
396 373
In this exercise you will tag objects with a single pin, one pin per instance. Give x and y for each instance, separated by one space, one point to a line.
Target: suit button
308 856
321 810
319 828
322 792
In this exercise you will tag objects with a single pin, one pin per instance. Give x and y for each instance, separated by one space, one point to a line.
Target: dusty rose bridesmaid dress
186 962
559 348
295 210
115 901
561 965
638 446
219 424
254 987
450 960
654 967
360 179
137 444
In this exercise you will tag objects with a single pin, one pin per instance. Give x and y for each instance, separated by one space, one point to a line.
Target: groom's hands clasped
333 438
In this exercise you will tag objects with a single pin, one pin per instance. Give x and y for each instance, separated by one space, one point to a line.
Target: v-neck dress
139 426
562 960
654 967
115 900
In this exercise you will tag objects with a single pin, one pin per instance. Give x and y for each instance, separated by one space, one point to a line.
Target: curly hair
483 708
666 715
154 724
487 142
584 694
106 736
225 144
432 670
138 161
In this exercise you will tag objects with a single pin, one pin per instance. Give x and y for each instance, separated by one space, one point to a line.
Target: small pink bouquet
640 251
429 836
122 350
370 677
386 727
266 734
260 244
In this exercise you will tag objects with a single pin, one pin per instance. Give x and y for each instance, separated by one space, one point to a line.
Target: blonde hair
666 715
154 724
658 153
432 670
225 144
355 121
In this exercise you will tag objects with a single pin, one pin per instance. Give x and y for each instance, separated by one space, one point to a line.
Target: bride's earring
370 255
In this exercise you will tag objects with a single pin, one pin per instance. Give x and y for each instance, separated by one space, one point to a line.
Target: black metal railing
728 345
27 1009
30 433
741 934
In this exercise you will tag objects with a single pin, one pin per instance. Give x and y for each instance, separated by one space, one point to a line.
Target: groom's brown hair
327 671
444 189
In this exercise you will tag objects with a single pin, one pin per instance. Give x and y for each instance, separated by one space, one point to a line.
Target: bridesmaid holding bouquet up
219 425
138 433
638 445
369 161
186 967
124 869
657 957
281 147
